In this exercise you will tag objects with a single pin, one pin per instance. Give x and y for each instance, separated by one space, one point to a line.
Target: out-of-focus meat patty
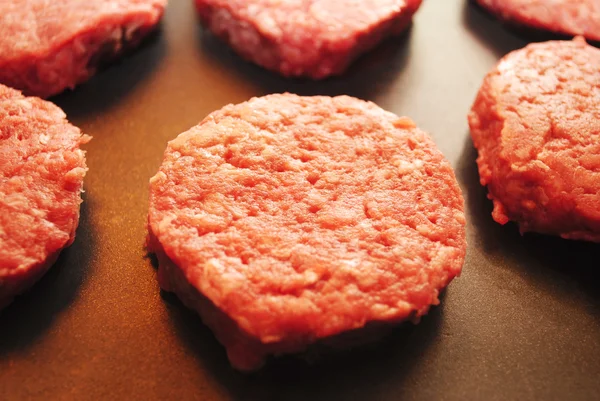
310 38
565 17
49 46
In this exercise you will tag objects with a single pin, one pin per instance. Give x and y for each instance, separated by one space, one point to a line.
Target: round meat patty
536 126
309 38
41 177
565 17
49 46
285 220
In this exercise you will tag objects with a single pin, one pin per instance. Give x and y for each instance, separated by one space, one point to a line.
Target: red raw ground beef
288 220
536 125
41 179
311 38
565 17
49 46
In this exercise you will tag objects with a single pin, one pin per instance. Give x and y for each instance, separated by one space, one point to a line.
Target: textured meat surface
303 217
313 38
536 125
568 17
41 176
49 46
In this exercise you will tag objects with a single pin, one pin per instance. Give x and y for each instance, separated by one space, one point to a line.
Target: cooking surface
522 321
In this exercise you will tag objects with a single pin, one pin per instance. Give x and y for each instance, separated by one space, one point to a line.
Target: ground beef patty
49 46
536 125
41 177
311 38
285 219
566 17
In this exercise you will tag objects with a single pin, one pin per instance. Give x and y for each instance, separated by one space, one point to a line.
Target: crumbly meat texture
536 126
41 177
245 352
303 217
49 46
566 17
310 38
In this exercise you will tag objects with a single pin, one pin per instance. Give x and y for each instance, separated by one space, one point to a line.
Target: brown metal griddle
521 323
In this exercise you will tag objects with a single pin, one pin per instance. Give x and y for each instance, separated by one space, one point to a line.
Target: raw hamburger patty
285 219
312 38
41 176
536 125
49 46
566 17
